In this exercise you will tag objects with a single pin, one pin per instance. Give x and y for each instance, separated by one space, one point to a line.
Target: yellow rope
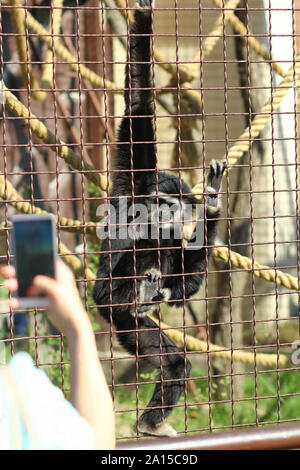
187 341
75 263
18 17
259 270
47 73
66 56
195 344
9 193
240 28
261 119
89 74
37 127
94 78
237 260
257 125
41 131
217 32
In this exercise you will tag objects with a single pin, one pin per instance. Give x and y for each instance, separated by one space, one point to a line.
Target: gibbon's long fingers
213 199
217 169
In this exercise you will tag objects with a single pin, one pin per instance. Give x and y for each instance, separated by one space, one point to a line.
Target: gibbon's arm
194 259
136 150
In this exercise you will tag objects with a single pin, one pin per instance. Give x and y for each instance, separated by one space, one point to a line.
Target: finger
7 305
44 285
11 284
8 271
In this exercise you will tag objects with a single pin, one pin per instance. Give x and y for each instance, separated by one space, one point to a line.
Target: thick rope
66 56
240 28
216 33
183 340
75 263
211 40
55 20
259 122
12 197
9 194
63 150
259 270
39 129
93 77
72 260
262 117
195 344
18 17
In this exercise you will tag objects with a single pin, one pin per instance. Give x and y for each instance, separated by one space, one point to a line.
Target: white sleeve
56 423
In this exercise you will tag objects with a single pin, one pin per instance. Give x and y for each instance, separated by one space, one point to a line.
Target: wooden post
93 56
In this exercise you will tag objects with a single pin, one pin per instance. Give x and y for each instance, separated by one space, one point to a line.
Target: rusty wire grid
225 78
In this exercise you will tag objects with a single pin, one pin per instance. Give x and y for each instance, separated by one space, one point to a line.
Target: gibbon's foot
150 291
162 429
215 176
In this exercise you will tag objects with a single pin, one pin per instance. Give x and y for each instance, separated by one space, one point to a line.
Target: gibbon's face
172 207
174 216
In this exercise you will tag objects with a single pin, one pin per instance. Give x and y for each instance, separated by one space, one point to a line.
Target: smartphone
34 250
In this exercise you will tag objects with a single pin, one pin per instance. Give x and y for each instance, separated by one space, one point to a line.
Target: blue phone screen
34 249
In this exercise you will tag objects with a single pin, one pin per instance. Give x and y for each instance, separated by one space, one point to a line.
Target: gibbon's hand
213 200
66 311
217 169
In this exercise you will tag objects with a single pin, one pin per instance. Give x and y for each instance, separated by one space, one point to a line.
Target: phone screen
34 250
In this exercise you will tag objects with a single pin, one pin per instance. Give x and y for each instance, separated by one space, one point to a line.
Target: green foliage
3 290
59 373
26 191
94 192
246 409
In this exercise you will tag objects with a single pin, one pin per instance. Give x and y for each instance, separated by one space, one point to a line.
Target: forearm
89 391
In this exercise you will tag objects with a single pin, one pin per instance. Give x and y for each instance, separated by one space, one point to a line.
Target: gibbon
138 272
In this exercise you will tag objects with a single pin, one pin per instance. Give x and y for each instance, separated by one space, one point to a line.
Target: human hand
66 311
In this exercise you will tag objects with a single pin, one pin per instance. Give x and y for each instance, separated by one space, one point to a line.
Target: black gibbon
137 272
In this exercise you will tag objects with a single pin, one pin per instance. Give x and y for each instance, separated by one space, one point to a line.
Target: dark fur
148 341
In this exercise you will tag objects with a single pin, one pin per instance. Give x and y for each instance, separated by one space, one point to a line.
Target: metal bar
266 438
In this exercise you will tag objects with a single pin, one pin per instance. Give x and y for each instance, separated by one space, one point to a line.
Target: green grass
246 410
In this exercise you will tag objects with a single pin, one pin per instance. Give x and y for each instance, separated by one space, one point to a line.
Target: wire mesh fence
223 83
